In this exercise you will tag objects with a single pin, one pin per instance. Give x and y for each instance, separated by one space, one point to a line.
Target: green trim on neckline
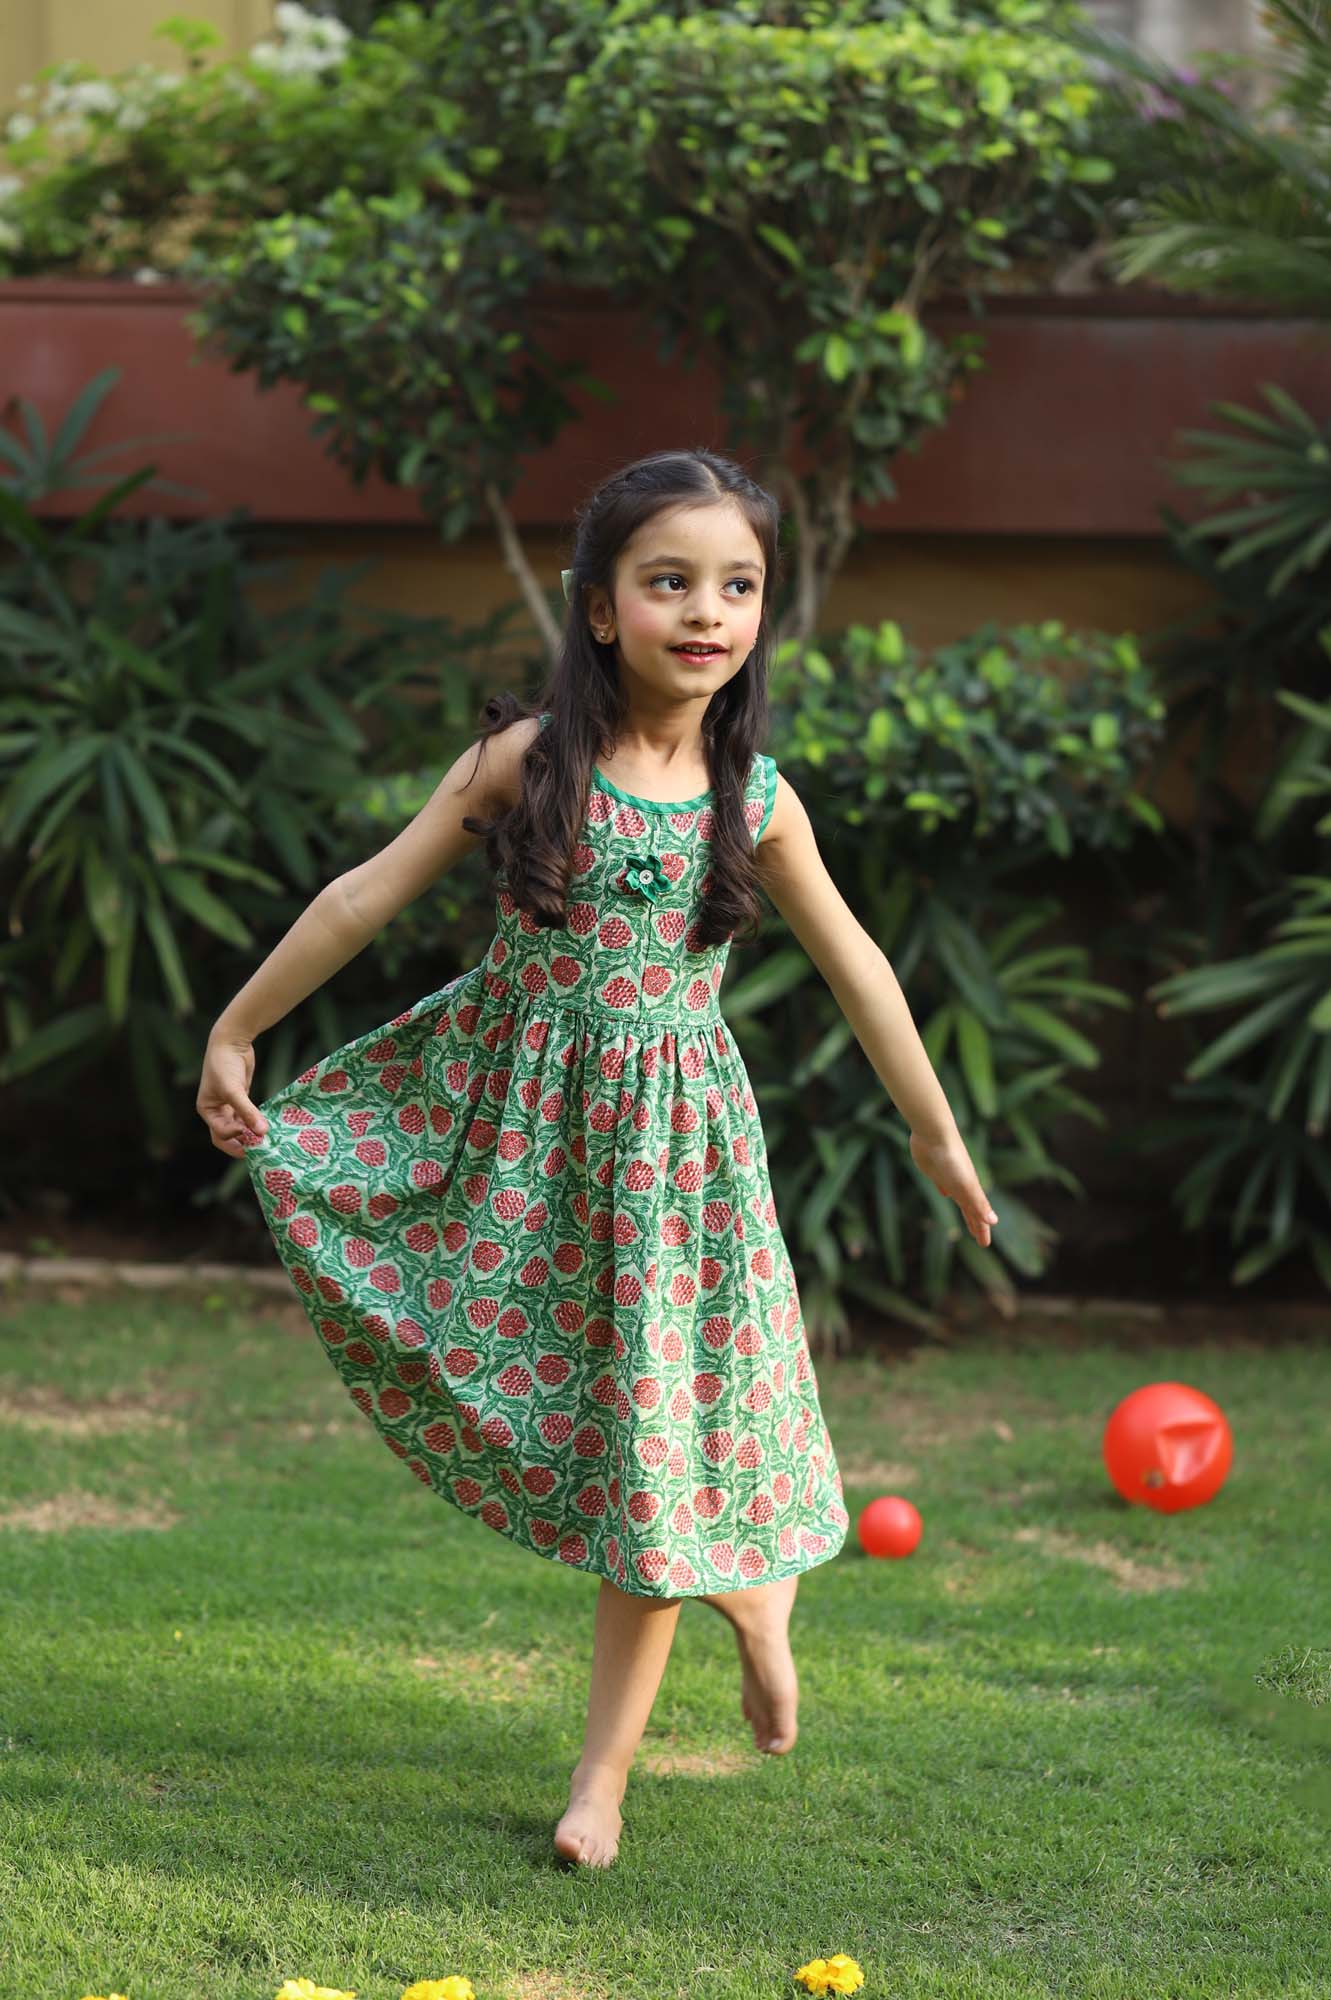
676 805
648 805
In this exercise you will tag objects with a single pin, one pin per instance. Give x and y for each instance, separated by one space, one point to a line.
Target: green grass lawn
271 1708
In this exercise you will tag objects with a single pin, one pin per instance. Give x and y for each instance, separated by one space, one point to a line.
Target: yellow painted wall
34 33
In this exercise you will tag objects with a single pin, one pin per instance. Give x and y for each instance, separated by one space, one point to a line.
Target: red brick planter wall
1063 434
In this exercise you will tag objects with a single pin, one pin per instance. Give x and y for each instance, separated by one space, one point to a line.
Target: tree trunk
521 571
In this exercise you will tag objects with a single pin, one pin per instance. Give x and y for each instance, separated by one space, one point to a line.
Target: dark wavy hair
533 841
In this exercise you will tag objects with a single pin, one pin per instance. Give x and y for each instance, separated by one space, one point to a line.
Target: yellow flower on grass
838 1974
109 1996
453 1988
305 1989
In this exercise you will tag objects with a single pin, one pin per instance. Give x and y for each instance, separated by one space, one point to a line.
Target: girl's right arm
342 919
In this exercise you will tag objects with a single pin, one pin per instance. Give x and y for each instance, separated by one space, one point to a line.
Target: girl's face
691 576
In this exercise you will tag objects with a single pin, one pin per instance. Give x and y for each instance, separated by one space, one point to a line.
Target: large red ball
889 1527
1168 1446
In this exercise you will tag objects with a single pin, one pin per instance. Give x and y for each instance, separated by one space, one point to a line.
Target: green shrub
1260 1092
142 168
1251 222
1034 734
933 782
178 774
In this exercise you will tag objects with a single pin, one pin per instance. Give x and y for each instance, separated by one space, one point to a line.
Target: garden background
1062 753
314 325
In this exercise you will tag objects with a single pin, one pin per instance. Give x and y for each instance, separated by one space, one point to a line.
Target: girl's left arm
865 988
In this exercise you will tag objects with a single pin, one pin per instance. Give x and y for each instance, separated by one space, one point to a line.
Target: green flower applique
644 876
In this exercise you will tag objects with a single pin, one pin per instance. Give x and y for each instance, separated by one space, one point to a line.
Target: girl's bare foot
590 1829
769 1692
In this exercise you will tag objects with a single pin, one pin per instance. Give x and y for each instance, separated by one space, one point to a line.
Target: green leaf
118 965
1319 1019
1203 987
1091 170
985 1266
168 952
146 1031
20 525
142 665
894 1303
227 864
1261 1259
113 496
1300 1048
1252 1028
194 897
29 636
834 1042
104 896
976 1053
1057 832
937 1032
55 1039
1048 1028
82 411
838 356
784 245
818 1206
142 787
42 776
888 1210
1319 1091
1143 810
78 942
780 973
994 92
194 753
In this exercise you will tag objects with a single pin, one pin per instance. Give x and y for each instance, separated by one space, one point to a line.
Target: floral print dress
531 1222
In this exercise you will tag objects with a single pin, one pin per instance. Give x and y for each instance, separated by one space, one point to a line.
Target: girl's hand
948 1165
223 1101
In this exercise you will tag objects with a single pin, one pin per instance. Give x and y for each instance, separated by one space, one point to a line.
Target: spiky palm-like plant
1263 232
1260 229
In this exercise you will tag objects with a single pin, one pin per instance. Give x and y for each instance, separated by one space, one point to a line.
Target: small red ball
889 1526
1167 1446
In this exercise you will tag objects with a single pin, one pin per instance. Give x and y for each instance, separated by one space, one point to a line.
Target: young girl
530 1217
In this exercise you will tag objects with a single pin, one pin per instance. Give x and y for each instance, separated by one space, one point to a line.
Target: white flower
323 28
132 117
10 185
145 82
9 236
25 91
146 275
292 58
312 41
20 125
94 95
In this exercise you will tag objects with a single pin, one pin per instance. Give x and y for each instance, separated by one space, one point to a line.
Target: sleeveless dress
531 1221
